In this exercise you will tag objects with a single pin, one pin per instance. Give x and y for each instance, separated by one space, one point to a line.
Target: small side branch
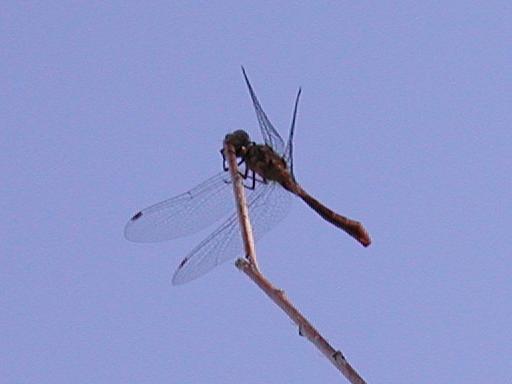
250 267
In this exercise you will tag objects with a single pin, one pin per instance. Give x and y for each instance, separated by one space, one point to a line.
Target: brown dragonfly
270 181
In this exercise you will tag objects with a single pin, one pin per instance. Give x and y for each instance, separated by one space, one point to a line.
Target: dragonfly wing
268 205
212 251
269 133
269 208
288 152
183 214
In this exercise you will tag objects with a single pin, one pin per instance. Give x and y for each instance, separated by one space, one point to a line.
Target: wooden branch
241 204
278 296
250 267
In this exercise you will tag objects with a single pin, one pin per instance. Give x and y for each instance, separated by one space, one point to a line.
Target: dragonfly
269 181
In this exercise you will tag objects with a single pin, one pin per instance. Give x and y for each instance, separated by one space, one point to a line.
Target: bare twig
305 328
250 268
241 205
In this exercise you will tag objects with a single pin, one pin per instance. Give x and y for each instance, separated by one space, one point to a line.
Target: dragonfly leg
245 174
254 178
224 161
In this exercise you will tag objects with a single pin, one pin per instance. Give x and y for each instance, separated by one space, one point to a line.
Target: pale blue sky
404 123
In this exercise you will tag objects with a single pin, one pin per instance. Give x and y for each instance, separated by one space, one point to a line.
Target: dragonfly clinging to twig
268 170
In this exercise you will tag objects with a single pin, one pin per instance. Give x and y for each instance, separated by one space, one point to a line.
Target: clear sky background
405 124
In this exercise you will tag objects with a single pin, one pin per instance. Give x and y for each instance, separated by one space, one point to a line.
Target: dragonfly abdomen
352 227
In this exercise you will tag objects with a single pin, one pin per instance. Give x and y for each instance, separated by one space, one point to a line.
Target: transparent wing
269 133
268 205
184 214
288 152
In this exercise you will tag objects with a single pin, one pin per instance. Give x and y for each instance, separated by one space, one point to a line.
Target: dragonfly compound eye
240 140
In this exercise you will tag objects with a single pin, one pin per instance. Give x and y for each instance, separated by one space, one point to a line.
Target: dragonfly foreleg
225 166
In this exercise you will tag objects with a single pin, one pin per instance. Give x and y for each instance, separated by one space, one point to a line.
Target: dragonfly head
240 140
